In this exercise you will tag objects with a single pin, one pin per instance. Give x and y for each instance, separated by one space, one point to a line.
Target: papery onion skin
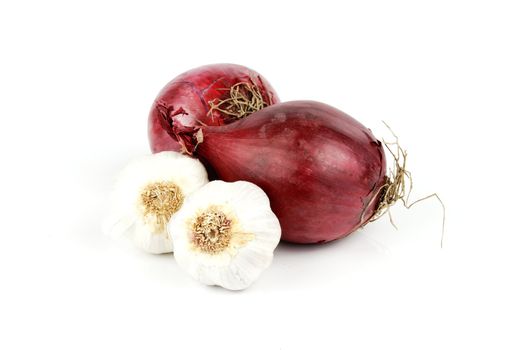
321 169
184 102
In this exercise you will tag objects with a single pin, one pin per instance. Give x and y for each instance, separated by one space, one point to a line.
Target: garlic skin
225 234
147 192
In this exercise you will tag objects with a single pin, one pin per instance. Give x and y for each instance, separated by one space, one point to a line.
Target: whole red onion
187 100
321 169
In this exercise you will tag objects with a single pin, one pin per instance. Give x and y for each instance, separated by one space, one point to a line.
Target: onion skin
184 102
321 169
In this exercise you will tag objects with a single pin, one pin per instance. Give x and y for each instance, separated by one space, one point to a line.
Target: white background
76 83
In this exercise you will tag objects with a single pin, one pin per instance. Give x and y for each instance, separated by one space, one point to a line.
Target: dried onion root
245 99
398 186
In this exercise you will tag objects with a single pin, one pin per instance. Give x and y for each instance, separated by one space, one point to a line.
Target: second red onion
201 97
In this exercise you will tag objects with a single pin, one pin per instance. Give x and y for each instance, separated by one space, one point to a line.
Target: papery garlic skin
254 230
140 196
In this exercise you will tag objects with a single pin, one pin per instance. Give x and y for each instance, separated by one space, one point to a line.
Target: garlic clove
156 243
225 234
147 192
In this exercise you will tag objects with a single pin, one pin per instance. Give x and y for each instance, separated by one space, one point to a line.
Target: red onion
322 170
203 96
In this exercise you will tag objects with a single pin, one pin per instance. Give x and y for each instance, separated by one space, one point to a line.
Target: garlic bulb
147 193
225 234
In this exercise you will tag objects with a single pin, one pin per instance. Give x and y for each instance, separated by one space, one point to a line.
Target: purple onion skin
321 168
184 102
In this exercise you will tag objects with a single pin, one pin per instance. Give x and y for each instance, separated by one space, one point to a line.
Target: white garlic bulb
225 234
147 193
